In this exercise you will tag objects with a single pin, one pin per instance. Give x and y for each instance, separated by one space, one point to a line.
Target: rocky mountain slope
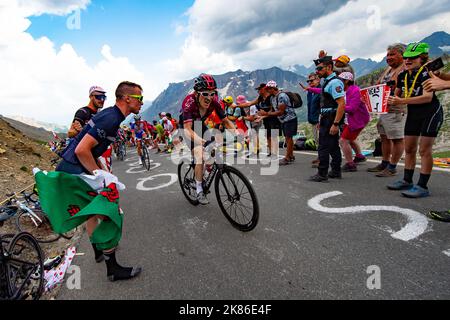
231 83
19 154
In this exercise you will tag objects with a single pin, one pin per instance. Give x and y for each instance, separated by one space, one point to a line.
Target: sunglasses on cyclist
309 81
140 98
100 97
208 94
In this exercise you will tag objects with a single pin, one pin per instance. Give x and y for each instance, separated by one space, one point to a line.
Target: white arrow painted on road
417 222
141 187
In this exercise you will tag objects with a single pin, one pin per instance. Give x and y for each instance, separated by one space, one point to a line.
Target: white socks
199 186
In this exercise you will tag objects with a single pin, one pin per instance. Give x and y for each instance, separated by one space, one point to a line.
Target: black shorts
272 123
424 123
290 128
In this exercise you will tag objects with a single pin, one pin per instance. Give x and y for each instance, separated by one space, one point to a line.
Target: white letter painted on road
416 226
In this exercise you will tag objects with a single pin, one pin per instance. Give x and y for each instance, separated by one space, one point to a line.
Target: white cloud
251 34
197 58
48 83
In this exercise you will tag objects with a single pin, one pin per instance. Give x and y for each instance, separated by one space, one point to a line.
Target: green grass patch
445 154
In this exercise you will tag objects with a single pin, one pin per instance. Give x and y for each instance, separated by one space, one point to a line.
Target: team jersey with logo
103 128
191 110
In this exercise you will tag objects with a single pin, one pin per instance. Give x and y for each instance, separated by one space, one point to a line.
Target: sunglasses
101 97
208 94
413 58
140 98
319 68
310 81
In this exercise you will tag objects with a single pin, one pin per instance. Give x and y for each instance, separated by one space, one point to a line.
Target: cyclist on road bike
139 134
198 106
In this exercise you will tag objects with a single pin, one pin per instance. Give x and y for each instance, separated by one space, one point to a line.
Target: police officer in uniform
331 118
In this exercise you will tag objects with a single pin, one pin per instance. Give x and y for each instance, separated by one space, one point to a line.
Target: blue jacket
313 108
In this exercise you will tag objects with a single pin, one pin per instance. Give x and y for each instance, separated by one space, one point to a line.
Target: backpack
296 99
300 145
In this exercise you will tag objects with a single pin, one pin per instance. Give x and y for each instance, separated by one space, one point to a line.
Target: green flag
69 202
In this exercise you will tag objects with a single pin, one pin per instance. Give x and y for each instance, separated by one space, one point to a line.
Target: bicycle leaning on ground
29 217
234 192
21 267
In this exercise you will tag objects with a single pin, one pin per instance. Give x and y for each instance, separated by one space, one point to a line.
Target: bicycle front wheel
38 225
24 268
237 199
186 178
146 158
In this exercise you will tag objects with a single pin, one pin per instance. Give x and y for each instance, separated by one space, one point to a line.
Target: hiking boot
386 173
349 167
334 175
318 178
359 160
378 168
443 216
201 197
400 185
416 192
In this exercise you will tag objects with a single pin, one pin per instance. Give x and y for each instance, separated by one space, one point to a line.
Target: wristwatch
336 124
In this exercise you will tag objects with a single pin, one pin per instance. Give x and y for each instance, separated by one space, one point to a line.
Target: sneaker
284 162
201 197
140 162
416 192
318 178
443 216
292 159
334 175
400 185
349 167
386 173
317 161
378 168
359 160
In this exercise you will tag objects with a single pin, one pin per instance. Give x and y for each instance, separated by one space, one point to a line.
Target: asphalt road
304 247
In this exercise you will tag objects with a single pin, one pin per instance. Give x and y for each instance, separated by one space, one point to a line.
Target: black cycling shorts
424 123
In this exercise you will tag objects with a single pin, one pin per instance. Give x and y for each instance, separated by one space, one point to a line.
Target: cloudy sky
52 51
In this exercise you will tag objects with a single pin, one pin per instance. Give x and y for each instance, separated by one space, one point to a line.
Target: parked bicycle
21 267
234 192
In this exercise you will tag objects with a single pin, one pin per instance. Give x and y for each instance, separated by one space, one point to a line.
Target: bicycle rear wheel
41 230
186 178
237 199
24 268
146 158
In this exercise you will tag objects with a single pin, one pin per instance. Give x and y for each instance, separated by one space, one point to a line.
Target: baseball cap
344 59
163 114
323 60
96 89
346 76
241 100
416 49
272 84
261 86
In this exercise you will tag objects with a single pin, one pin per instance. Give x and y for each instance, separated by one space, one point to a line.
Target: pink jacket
356 110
